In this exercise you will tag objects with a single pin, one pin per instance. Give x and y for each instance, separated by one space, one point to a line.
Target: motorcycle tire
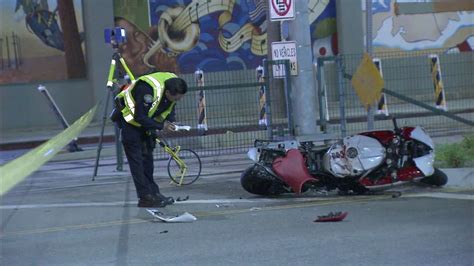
259 181
438 178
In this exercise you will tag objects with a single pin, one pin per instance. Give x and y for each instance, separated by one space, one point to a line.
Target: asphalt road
58 216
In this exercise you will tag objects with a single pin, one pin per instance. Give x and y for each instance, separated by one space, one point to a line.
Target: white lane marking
225 201
125 203
66 205
442 195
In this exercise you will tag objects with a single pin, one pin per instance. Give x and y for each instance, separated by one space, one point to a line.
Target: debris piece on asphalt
255 209
164 232
183 199
396 194
332 217
181 218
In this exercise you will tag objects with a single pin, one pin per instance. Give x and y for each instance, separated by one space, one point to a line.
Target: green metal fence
235 111
233 100
410 75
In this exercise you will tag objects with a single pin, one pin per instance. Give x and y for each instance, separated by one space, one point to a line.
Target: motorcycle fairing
404 175
419 134
292 170
353 156
425 163
384 136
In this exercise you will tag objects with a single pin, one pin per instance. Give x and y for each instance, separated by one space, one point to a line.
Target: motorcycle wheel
438 178
257 180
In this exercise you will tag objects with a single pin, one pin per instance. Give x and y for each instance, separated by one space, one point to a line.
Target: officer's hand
169 126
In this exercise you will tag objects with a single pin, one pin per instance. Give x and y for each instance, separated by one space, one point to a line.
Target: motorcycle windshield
420 134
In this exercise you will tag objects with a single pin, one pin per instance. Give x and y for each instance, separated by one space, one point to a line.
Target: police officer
147 106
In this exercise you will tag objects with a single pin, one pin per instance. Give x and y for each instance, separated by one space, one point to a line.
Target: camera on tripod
115 36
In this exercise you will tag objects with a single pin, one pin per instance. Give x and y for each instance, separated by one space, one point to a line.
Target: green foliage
456 154
468 144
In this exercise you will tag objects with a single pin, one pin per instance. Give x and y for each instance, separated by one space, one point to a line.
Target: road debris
332 217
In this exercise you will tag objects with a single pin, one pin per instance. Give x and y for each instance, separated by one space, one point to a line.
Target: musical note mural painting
322 19
213 35
181 36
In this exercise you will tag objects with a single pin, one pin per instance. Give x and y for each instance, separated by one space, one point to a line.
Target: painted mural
41 41
323 27
213 35
181 36
449 31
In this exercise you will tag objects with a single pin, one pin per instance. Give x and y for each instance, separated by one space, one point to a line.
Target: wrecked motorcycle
358 164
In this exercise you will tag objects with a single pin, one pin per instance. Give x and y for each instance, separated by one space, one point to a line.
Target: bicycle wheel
192 171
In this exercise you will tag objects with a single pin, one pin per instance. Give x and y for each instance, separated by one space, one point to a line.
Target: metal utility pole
303 91
368 48
1 52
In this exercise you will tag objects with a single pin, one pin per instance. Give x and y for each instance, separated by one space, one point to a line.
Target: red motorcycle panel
292 170
404 175
386 136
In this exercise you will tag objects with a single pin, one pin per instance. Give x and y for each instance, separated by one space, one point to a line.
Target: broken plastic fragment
182 199
182 218
332 217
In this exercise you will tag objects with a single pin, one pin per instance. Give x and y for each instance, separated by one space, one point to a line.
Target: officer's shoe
167 200
149 201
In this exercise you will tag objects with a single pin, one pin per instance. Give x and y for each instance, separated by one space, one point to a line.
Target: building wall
23 107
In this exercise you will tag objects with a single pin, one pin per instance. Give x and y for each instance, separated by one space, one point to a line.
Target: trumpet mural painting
212 35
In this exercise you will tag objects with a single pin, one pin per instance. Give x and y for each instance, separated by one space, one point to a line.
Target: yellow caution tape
15 171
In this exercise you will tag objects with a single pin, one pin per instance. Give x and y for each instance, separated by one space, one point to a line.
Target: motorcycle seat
293 170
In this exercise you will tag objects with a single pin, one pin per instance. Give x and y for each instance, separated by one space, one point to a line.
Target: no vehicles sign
284 51
282 9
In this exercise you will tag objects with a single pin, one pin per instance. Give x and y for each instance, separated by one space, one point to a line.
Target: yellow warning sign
367 81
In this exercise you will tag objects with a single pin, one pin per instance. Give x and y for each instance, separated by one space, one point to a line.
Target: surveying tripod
117 77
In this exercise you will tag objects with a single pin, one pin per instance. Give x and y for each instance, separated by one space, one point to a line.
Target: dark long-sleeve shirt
143 96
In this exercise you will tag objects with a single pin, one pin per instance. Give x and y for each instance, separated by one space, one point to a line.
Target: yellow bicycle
184 165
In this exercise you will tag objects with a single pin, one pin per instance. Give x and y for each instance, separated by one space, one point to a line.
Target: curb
459 177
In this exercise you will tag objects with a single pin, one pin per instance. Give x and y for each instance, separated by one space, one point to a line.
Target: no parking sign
282 9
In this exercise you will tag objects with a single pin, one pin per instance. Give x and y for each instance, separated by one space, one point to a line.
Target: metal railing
233 100
417 92
10 52
240 106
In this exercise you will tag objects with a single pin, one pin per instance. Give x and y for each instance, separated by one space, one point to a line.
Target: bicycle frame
173 152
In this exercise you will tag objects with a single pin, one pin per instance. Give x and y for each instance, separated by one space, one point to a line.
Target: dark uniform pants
139 154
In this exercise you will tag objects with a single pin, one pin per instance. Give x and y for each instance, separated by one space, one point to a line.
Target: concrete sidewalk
19 142
33 137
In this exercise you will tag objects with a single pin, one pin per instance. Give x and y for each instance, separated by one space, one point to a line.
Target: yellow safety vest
157 82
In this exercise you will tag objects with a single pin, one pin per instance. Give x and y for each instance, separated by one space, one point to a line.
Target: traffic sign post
281 9
284 51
